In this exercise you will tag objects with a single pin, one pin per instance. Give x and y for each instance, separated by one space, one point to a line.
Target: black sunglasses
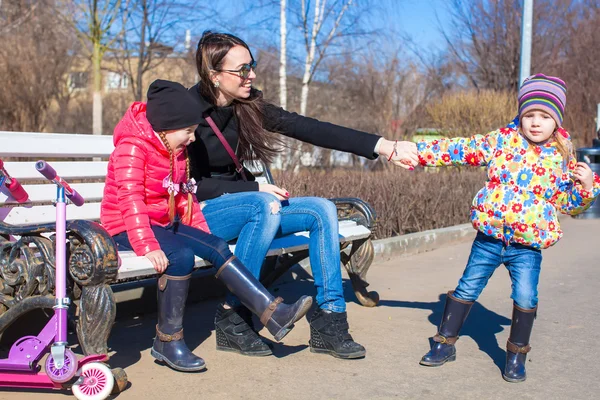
244 70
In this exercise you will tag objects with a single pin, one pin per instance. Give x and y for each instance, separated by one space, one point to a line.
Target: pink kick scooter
88 378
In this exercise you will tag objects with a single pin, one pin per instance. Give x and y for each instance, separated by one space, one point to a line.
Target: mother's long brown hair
254 141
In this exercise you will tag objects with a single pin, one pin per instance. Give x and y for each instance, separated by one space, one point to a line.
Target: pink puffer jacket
134 196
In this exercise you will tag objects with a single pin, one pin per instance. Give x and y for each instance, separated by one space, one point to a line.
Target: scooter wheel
97 382
64 374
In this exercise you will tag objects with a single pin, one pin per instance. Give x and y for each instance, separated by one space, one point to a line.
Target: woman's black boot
329 334
169 346
277 317
235 333
443 350
518 346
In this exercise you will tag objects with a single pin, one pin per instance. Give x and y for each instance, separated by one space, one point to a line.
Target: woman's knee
323 211
267 205
326 206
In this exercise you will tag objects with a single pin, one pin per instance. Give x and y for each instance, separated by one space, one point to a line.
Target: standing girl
532 176
149 207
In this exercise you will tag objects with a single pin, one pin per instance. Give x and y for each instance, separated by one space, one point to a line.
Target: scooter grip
76 198
17 191
45 169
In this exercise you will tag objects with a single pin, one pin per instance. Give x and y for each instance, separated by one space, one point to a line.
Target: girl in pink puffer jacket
149 207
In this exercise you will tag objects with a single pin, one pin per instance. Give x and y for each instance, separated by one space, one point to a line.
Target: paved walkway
563 362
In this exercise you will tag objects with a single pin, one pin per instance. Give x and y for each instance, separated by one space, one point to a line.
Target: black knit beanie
171 106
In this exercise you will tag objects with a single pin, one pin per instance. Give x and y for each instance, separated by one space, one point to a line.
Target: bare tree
154 29
93 21
283 55
579 68
485 39
35 58
311 33
323 24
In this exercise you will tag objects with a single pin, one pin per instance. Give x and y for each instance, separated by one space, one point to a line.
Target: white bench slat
30 144
44 214
68 170
134 266
91 192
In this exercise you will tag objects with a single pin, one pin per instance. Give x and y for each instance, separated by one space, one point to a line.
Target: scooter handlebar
45 169
17 191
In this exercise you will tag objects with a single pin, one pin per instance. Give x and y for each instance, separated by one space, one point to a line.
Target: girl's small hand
276 191
159 260
584 174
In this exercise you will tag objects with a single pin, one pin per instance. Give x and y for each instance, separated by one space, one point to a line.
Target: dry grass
404 201
469 113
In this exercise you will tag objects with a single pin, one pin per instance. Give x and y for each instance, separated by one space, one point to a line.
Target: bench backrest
80 159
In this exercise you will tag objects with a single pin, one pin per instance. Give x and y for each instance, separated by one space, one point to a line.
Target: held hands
403 154
278 192
159 260
584 174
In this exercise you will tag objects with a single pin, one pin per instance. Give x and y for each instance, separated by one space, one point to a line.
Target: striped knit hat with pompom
545 93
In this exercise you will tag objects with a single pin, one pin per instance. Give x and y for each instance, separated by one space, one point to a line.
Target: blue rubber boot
443 350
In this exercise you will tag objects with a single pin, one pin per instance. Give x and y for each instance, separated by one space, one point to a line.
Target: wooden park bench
26 237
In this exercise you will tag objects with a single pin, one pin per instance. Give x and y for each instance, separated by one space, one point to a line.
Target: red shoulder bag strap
238 166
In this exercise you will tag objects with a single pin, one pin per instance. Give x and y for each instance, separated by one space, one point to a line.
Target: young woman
239 125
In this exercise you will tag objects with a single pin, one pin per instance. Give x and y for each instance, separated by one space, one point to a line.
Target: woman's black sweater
214 170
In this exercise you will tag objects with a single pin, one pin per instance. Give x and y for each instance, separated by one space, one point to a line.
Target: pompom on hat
545 93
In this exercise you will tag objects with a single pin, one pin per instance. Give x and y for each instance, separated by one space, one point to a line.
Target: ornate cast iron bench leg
362 253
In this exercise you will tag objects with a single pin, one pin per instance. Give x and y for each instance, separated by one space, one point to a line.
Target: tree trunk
142 53
310 56
97 100
282 58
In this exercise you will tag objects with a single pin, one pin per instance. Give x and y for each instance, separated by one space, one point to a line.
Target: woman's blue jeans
487 253
256 218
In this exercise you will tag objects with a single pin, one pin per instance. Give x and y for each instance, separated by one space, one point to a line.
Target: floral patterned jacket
527 184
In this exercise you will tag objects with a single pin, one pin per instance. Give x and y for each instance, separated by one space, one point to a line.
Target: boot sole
263 353
165 360
299 314
513 380
438 364
350 356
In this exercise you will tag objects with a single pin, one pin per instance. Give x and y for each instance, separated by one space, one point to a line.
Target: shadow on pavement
482 325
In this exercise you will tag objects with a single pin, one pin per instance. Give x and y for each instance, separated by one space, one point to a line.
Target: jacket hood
134 124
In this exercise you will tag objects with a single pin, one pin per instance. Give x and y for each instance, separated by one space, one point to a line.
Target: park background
398 68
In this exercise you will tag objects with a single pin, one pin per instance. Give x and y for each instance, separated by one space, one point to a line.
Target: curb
420 242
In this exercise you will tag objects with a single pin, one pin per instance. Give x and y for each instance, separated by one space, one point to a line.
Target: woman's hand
159 260
404 155
584 173
276 191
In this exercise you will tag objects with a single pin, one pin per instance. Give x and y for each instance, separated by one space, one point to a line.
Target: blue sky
419 19
416 18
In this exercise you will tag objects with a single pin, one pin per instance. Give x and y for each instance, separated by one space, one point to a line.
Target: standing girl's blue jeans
181 243
487 253
256 218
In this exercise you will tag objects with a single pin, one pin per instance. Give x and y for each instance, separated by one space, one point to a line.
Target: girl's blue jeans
522 262
181 243
256 218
